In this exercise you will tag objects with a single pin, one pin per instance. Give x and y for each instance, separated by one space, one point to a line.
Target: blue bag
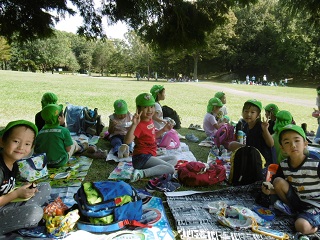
108 206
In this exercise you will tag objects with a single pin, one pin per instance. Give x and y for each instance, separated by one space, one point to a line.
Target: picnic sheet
124 169
193 220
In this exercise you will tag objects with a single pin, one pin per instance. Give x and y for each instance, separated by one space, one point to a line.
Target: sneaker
191 137
123 151
152 184
156 185
136 175
161 151
282 207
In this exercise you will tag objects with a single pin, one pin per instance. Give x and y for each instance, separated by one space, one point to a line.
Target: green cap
120 107
19 122
272 108
292 127
283 118
213 102
50 114
219 95
255 102
145 100
48 98
155 90
318 91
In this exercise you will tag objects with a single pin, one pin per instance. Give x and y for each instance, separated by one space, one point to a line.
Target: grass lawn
21 94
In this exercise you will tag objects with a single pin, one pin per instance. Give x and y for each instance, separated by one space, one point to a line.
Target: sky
71 23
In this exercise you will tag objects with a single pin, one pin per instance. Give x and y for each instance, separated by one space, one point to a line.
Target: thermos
240 136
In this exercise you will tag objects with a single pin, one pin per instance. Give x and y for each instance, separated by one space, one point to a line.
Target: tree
102 56
164 23
5 53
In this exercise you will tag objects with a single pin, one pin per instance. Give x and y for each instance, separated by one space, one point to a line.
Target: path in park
260 96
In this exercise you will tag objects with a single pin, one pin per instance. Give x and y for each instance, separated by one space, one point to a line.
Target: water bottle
240 136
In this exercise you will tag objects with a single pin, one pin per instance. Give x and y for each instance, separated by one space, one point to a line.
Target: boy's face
19 144
120 116
223 99
61 120
293 144
216 109
147 112
250 114
162 95
268 114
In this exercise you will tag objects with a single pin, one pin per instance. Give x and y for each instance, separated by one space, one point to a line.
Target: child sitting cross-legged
210 121
19 207
143 133
119 123
297 181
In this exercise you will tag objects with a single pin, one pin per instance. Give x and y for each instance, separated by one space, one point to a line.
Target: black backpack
169 112
246 166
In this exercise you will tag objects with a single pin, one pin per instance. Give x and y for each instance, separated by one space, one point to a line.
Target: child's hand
267 188
26 191
264 124
167 127
136 118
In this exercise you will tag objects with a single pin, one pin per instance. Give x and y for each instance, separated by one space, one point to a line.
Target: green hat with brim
272 108
19 122
219 95
50 114
48 98
255 102
120 107
283 118
213 102
291 127
145 100
155 90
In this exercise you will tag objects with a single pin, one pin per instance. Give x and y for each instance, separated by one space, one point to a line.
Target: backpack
170 140
169 112
82 120
199 174
107 206
246 166
224 135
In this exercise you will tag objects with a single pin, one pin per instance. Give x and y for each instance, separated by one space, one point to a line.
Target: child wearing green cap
210 122
119 123
297 181
271 111
223 110
54 139
158 92
143 133
16 142
256 130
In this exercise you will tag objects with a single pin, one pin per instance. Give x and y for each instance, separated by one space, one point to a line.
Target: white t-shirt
208 122
318 101
158 109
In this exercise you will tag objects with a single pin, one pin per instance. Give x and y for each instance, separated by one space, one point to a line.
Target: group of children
296 182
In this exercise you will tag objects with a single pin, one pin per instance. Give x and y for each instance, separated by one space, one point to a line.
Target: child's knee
303 226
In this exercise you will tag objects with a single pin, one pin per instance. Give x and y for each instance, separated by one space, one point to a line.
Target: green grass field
21 94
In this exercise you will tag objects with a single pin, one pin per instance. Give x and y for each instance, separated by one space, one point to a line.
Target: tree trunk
195 66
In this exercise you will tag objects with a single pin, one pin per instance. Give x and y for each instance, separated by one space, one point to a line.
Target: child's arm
266 134
111 126
166 128
156 118
22 192
130 134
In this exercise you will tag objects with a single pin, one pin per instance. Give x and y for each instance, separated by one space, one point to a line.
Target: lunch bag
224 135
199 174
33 168
108 206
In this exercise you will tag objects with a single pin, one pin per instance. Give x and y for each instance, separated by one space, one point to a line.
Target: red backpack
199 174
224 135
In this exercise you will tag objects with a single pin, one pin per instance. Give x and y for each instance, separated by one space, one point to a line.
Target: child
223 110
210 123
17 140
54 139
271 112
283 118
159 93
257 133
296 181
119 122
47 98
144 134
